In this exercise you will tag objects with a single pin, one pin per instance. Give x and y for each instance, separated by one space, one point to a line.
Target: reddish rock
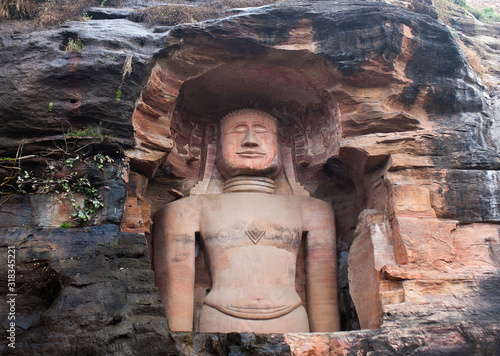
132 217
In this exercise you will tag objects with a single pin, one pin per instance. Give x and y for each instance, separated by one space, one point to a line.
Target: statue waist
258 306
256 313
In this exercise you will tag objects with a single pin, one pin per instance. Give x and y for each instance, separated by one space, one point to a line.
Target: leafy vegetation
487 14
63 179
86 17
74 45
446 7
67 176
118 95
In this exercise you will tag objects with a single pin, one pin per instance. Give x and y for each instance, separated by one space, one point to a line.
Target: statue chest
251 219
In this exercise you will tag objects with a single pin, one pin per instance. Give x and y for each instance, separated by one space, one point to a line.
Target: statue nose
250 139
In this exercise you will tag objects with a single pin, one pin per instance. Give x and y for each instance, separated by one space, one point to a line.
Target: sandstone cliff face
411 168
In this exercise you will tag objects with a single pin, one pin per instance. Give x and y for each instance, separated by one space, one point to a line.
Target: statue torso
251 241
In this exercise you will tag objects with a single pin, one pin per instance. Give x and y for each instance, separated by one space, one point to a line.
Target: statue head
248 145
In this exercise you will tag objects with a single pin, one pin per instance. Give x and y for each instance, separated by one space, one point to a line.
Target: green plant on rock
101 160
487 14
68 183
74 45
118 95
68 172
64 179
89 131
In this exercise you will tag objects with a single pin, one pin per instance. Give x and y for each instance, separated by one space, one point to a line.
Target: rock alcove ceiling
412 171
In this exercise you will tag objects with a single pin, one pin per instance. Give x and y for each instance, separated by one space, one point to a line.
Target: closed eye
239 129
259 129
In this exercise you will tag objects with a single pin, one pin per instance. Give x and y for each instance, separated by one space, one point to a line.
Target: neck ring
252 184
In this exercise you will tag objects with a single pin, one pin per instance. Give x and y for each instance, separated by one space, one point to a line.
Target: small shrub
65 225
74 45
476 13
118 95
487 15
489 11
462 3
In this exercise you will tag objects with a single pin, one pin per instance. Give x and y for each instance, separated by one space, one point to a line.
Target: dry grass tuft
449 8
46 13
446 9
172 15
18 9
474 60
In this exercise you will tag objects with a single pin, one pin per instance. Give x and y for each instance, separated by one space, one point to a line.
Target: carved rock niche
175 123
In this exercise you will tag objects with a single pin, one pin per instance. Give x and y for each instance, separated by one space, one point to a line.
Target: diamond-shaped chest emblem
255 234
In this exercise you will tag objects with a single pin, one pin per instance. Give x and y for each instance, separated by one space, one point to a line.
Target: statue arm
174 261
321 267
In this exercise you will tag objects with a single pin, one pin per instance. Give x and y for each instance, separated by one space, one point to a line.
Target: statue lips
251 153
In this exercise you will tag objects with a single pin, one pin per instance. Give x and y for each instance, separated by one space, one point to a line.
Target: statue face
248 145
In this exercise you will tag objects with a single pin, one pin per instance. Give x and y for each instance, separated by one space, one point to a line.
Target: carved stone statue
251 237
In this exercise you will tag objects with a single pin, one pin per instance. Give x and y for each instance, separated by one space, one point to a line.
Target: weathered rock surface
82 87
415 185
103 295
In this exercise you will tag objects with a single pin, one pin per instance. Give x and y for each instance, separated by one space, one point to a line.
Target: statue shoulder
185 204
317 215
314 204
